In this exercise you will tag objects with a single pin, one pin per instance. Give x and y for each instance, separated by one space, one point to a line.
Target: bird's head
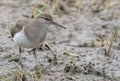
48 18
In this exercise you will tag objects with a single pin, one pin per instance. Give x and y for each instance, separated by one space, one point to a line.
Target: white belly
21 40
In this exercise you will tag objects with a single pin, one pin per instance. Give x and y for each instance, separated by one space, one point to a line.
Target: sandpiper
33 33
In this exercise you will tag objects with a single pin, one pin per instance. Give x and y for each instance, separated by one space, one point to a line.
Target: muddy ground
80 49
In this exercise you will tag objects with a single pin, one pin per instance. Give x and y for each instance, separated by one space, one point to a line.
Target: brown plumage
32 33
18 26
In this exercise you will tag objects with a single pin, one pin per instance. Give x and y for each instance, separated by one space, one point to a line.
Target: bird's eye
47 19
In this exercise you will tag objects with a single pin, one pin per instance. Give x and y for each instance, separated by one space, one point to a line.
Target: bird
32 33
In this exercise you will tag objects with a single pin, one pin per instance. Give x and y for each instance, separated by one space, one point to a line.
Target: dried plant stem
71 57
111 42
77 4
34 11
55 6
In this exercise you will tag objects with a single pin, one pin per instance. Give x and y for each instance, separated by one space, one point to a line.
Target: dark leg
55 57
20 59
35 55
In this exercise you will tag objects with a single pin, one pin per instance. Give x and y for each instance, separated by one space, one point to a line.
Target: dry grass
107 50
58 4
55 8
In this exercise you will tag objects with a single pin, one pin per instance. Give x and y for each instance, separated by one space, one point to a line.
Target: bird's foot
43 47
31 51
55 60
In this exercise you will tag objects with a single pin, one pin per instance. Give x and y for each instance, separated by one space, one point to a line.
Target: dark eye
47 19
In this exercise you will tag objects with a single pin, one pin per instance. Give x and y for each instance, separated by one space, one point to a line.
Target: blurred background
88 50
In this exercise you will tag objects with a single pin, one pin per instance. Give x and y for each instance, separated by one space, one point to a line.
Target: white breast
21 40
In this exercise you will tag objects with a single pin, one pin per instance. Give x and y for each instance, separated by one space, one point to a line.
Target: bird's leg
42 47
38 71
20 59
54 55
35 55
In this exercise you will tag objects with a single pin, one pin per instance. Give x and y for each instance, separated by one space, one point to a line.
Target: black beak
54 23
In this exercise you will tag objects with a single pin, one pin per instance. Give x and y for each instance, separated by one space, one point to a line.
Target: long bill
54 23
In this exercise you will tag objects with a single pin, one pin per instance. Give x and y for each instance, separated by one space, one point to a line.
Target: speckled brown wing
18 26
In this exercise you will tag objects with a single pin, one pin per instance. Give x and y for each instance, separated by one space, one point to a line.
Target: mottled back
18 26
36 30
